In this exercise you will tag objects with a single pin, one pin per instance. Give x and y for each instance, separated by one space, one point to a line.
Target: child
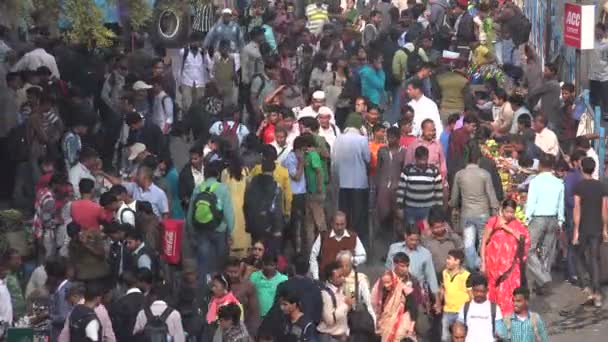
405 126
454 290
444 138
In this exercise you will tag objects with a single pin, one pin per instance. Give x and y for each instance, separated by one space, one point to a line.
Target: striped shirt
519 330
420 186
317 17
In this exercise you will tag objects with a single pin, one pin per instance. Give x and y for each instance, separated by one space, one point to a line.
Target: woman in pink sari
504 250
393 321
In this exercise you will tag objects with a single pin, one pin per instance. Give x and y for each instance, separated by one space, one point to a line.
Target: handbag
359 319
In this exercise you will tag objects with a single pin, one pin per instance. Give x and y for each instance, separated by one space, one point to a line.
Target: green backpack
207 214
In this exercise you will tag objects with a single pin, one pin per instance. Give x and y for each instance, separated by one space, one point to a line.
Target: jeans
395 112
589 267
447 320
355 204
296 227
543 242
413 214
472 231
211 250
315 221
570 253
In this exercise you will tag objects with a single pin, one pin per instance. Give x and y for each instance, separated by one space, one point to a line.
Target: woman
335 84
504 249
393 320
220 296
235 178
170 177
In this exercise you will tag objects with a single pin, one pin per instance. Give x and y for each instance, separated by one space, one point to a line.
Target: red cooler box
173 231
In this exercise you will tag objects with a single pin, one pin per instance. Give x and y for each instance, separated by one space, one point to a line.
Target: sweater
330 247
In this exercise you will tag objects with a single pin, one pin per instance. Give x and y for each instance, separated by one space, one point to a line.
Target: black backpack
414 60
78 321
260 209
156 329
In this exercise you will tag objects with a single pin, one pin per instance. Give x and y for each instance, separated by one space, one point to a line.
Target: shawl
216 303
393 321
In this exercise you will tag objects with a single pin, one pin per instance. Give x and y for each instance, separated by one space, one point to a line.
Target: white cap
141 85
318 95
326 111
227 11
136 150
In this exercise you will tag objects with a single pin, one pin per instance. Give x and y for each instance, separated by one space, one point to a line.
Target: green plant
139 12
86 22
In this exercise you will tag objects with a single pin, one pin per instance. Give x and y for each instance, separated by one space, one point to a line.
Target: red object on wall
572 25
172 241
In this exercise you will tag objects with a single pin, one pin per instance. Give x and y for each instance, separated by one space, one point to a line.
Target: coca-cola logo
169 247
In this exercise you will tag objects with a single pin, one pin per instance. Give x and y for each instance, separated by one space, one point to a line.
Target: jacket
225 204
263 194
465 30
186 183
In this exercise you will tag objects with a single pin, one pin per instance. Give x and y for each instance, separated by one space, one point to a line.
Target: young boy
482 317
454 290
517 325
297 326
405 127
444 138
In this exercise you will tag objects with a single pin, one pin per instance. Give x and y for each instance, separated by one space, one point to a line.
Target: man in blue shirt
545 215
211 246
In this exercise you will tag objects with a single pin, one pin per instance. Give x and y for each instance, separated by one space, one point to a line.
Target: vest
330 247
80 317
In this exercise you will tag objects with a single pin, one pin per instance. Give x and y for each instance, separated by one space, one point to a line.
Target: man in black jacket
465 28
124 311
147 133
191 175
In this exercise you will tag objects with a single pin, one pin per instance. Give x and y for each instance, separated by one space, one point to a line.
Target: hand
575 237
264 123
299 155
350 301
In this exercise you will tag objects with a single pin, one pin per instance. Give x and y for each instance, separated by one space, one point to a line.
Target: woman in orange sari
504 250
393 320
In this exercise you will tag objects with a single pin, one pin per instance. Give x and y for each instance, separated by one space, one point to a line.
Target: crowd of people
313 138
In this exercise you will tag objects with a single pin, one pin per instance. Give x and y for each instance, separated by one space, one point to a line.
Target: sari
500 257
393 321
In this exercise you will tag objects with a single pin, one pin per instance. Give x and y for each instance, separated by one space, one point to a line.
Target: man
590 226
504 113
545 140
191 175
266 282
280 175
162 107
545 215
372 29
251 64
482 317
147 133
294 163
210 245
225 29
298 326
424 108
318 101
245 292
37 58
372 80
524 325
144 189
125 309
262 84
420 188
6 306
549 96
428 139
583 144
519 108
191 300
474 194
71 144
334 325
459 139
459 332
159 308
86 212
317 16
12 259
350 159
193 75
442 238
142 255
263 207
58 285
230 127
464 26
598 70
84 324
281 145
420 260
84 169
8 121
328 244
126 212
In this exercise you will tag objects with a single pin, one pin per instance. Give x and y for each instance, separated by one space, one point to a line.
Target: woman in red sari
502 253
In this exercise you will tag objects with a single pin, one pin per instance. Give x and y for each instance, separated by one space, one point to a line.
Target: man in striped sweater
317 16
420 187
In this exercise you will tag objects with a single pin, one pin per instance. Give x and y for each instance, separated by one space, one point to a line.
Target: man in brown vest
328 244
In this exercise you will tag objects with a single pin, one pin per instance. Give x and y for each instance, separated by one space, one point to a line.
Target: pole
548 30
578 79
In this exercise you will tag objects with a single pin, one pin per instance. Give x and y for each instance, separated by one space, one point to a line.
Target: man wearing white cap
142 105
318 100
226 29
328 128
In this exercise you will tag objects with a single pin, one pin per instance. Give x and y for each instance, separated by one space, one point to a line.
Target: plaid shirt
523 331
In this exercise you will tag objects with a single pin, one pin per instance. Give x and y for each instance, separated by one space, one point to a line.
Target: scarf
216 303
392 317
